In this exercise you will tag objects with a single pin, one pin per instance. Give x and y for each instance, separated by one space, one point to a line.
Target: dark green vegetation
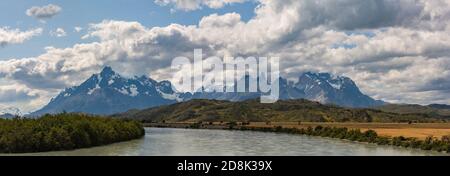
64 132
370 136
282 111
434 110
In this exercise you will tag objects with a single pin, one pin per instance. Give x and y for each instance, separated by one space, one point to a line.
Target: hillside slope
253 110
436 111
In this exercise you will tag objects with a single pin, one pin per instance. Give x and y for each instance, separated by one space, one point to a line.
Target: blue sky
81 13
391 49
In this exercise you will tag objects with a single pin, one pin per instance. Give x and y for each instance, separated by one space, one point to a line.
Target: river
191 142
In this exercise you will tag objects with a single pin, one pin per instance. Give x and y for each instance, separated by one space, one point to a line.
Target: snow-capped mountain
9 112
209 93
321 87
329 89
109 93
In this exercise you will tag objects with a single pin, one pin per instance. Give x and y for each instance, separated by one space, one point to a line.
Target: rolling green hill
435 111
253 110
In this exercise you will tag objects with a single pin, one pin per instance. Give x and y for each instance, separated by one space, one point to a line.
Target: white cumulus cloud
394 50
189 5
15 36
59 32
43 12
77 29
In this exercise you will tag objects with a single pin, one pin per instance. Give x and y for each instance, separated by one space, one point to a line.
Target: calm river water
187 142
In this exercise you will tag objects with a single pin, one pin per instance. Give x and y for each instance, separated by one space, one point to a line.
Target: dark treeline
64 132
370 136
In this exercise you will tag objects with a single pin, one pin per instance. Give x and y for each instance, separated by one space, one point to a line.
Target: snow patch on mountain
133 90
91 91
337 86
123 91
174 96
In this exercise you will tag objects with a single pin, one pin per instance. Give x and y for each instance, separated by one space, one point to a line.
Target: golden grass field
417 130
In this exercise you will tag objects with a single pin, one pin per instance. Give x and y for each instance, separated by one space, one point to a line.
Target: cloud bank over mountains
395 50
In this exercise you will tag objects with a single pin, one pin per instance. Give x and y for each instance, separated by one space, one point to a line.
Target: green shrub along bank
64 132
370 136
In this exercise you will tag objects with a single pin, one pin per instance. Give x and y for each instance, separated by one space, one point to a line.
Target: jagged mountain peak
108 92
339 90
337 82
105 78
107 71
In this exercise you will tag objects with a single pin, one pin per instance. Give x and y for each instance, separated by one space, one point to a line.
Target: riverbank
64 132
415 130
360 132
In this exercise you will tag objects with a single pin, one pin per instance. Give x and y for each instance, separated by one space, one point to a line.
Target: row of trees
369 136
64 132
